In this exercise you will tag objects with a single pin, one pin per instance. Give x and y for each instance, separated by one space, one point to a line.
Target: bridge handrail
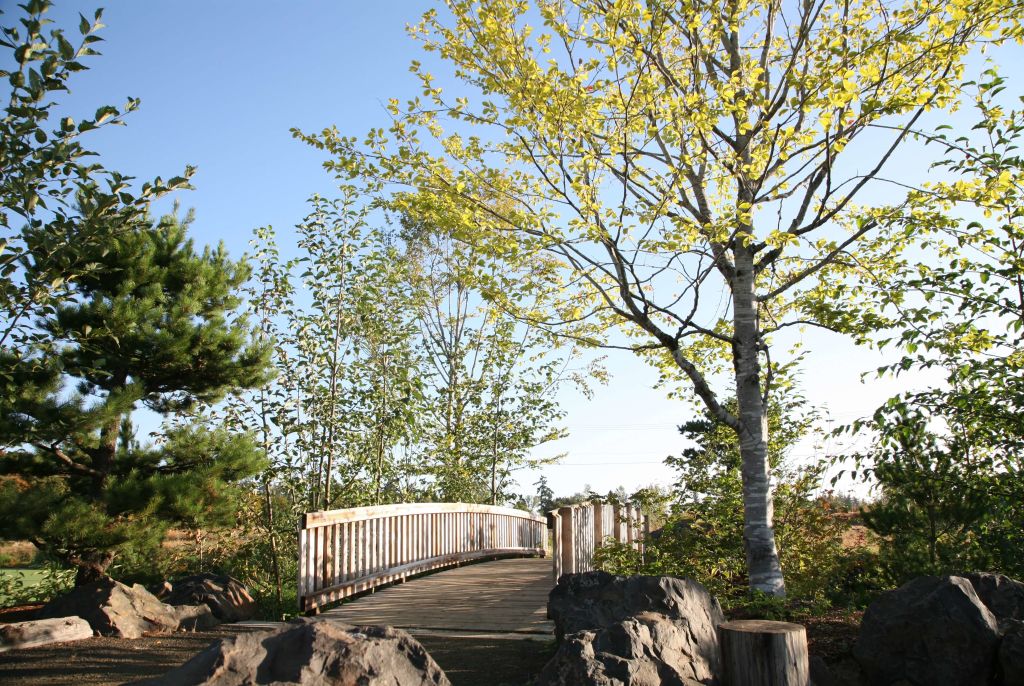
578 530
344 552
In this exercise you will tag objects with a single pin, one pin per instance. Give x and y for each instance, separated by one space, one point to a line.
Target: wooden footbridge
408 565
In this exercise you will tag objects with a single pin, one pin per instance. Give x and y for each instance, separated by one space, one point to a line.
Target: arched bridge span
346 552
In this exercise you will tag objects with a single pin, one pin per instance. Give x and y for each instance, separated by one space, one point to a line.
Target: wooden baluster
367 547
375 540
460 534
346 547
335 565
403 537
392 541
365 527
629 525
592 513
364 548
317 565
303 580
422 555
378 546
556 544
433 534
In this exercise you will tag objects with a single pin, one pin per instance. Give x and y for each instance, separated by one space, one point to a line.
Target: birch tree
685 163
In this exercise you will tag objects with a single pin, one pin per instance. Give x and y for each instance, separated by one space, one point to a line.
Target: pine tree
148 325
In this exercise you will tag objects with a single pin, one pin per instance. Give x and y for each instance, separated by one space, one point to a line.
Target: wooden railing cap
355 514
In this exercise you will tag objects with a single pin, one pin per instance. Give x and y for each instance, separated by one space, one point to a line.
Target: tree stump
757 652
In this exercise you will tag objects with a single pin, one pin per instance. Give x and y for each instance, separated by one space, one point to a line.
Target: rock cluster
952 630
632 631
227 598
114 609
312 652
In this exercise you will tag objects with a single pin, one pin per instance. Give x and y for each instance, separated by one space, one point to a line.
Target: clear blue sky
221 84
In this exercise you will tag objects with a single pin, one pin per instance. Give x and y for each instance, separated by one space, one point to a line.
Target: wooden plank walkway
498 597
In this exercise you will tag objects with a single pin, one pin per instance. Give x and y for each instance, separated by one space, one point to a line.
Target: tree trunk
758 509
93 567
275 562
380 429
494 457
331 418
105 454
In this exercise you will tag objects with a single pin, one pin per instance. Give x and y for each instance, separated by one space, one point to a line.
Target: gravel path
468 661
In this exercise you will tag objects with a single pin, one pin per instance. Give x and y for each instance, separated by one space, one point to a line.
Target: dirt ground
476 661
466 661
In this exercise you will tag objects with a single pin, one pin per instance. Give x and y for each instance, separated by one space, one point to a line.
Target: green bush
948 504
704 541
34 585
702 537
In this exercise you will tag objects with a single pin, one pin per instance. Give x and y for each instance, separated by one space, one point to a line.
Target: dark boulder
311 652
649 649
638 630
226 597
114 609
1003 596
932 630
1011 654
593 600
819 672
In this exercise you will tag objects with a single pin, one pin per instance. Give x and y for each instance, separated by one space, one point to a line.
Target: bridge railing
578 530
344 552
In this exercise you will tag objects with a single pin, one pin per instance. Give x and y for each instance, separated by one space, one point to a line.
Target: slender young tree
684 162
149 325
491 382
346 398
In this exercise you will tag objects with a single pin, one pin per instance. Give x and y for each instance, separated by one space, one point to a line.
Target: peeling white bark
758 509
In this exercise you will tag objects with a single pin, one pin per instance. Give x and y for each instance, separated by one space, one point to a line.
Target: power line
599 464
623 427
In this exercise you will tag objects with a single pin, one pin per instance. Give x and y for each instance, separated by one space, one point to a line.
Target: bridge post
568 561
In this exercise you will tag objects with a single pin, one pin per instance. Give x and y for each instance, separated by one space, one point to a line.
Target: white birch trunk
758 509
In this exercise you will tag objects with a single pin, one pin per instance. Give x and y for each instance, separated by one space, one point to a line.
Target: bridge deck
502 596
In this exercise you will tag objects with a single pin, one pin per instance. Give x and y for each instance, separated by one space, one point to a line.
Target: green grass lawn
10 578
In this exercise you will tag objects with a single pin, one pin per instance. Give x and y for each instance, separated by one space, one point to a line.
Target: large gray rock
1003 596
114 609
312 652
226 597
634 631
593 600
1011 653
649 649
932 630
42 632
194 617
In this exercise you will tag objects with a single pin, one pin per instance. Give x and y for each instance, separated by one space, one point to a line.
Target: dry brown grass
17 553
857 536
